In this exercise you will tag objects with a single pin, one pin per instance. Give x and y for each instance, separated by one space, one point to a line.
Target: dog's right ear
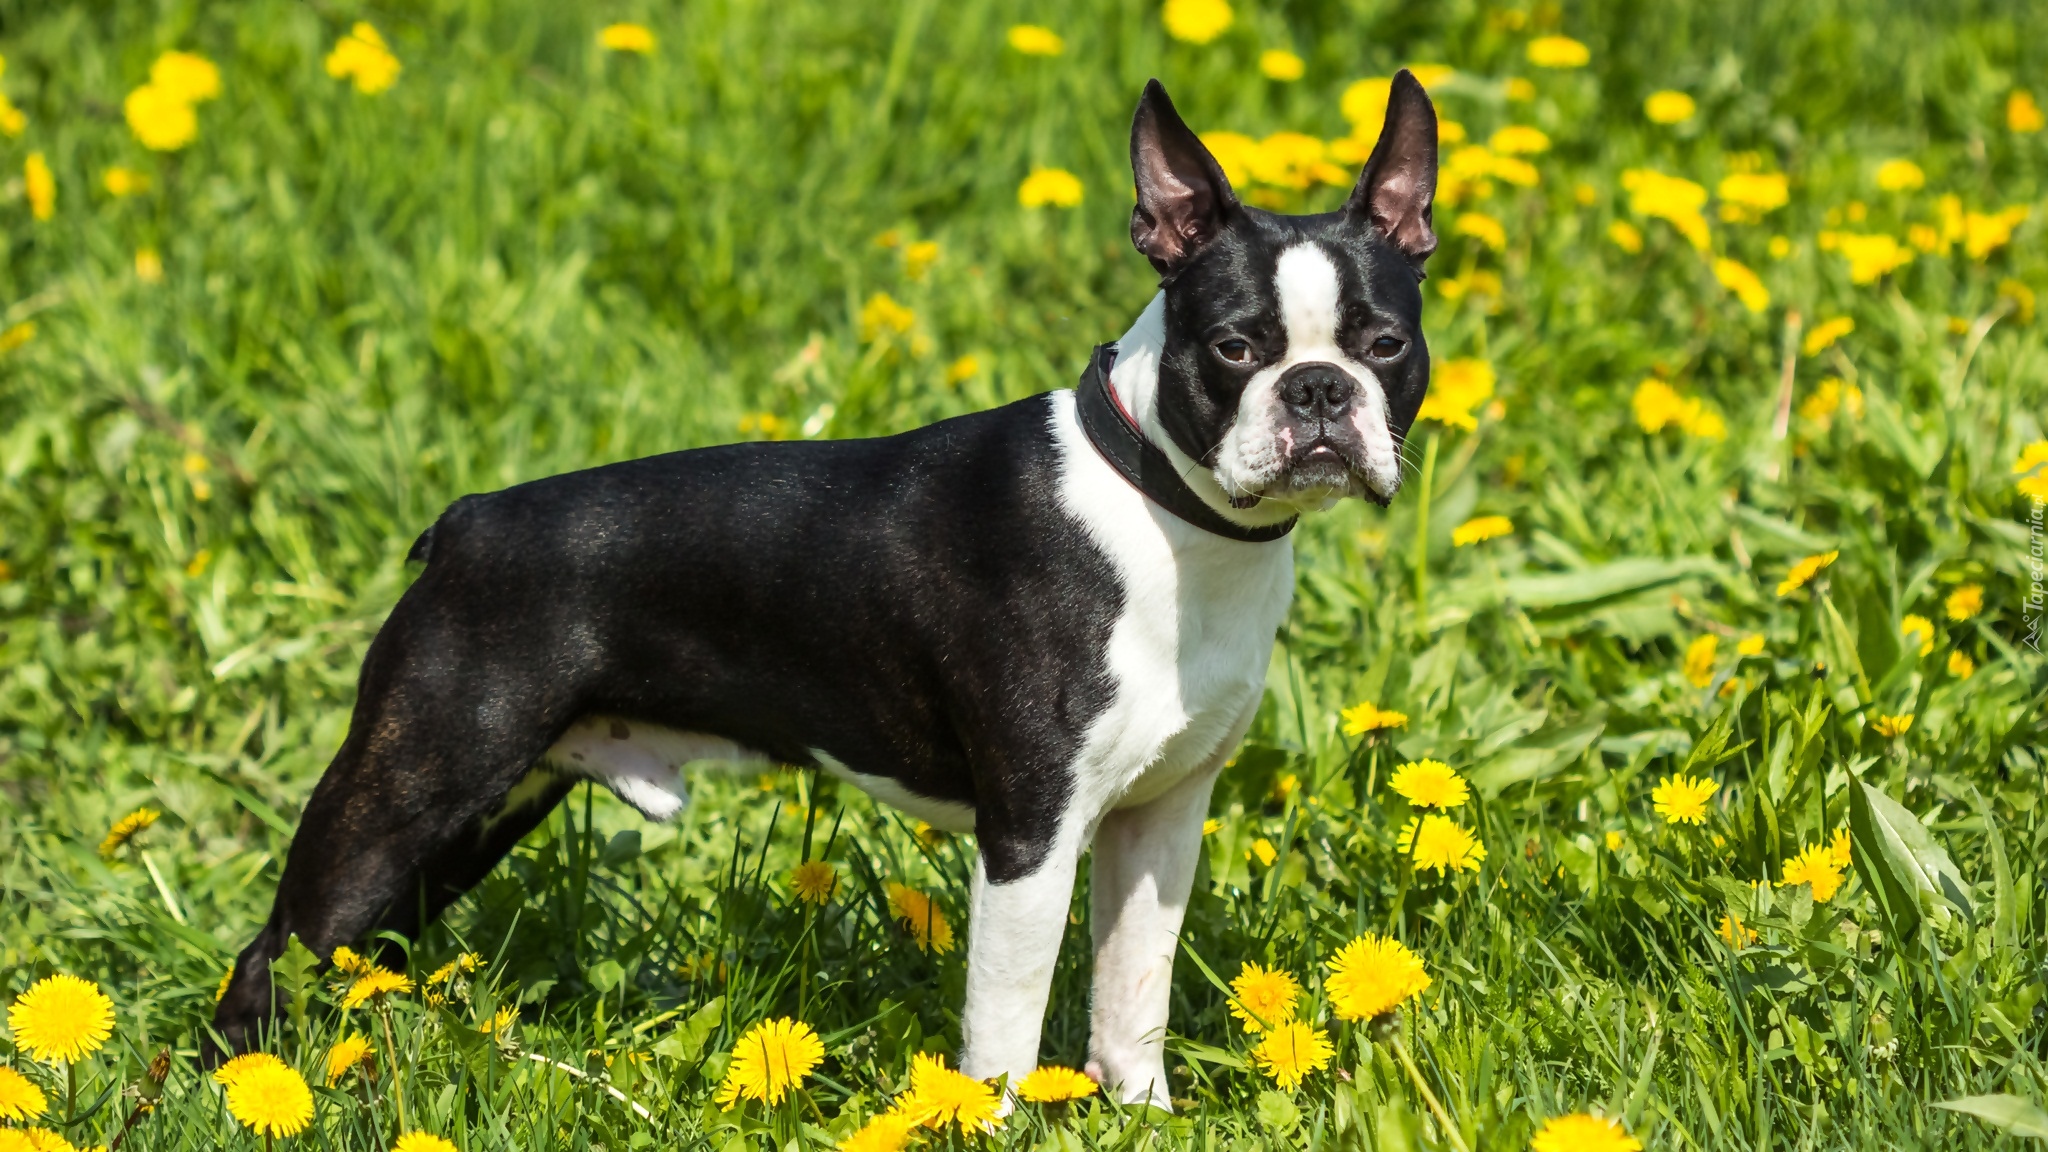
1183 197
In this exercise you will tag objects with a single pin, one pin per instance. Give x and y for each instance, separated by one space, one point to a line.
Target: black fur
919 607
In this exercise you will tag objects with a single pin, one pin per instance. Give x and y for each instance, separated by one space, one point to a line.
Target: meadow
1685 716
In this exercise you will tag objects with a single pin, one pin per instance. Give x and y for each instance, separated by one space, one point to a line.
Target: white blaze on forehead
1306 280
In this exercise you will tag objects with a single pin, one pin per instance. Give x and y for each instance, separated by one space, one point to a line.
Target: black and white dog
1046 624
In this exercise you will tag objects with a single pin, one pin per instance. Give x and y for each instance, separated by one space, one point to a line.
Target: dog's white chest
1188 653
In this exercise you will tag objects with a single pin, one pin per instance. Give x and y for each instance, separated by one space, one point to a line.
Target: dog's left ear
1183 196
1395 192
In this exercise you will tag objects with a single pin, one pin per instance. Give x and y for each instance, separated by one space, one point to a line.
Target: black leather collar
1143 463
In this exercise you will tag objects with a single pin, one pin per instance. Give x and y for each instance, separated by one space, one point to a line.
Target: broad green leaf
2016 1115
684 1043
292 975
1605 582
1538 755
1900 859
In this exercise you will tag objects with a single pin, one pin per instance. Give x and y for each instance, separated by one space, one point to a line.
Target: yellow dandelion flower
919 257
1893 727
1683 799
1056 187
350 961
186 75
13 121
149 268
1966 601
159 118
921 915
1441 843
1824 334
1841 850
1035 40
1871 256
1900 176
888 1132
271 1100
1282 65
1699 660
363 58
234 1069
1292 1051
1196 21
1673 199
344 1056
2022 113
1985 231
120 182
40 186
1750 645
1919 630
1520 90
2032 469
940 1096
1669 107
1265 997
627 38
1961 666
1430 784
422 1142
1735 933
125 829
770 1061
1748 288
1053 1084
220 990
1264 850
1373 975
813 881
502 1019
1456 388
1364 717
1519 140
1481 528
20 1099
964 369
374 983
1625 236
33 1140
1658 406
1581 1132
1211 826
1364 104
1483 228
1756 192
1558 52
1805 571
61 1019
1814 865
883 316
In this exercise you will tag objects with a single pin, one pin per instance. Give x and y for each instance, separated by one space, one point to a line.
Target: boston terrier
1047 624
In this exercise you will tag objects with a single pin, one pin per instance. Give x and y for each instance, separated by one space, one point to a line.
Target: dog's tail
422 551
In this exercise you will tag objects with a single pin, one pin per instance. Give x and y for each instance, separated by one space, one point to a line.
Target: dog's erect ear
1395 192
1183 196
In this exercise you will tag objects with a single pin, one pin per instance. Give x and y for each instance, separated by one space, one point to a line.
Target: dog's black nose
1316 389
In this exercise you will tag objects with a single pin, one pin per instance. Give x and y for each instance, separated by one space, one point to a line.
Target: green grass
528 257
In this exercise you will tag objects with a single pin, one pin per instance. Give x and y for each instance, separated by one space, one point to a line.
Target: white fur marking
945 815
641 763
1254 454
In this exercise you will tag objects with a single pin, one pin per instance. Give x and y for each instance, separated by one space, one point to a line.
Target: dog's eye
1235 351
1386 348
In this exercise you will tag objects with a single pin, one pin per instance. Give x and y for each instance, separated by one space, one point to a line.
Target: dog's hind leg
432 786
1143 866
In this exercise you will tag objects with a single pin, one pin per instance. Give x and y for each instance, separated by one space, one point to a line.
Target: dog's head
1293 361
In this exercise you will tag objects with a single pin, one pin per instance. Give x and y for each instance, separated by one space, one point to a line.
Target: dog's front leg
1144 866
1013 940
